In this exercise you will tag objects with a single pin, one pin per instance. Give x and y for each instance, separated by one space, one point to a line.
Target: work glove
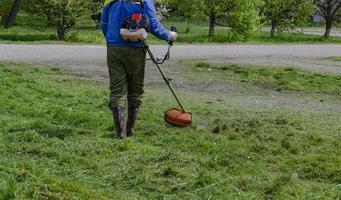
174 35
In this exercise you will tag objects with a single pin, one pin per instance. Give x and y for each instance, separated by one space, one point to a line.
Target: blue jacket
113 17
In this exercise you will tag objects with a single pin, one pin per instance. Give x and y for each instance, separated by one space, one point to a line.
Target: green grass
56 143
282 78
48 35
337 58
298 38
32 29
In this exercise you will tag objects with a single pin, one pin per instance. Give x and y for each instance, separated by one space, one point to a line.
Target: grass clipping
56 143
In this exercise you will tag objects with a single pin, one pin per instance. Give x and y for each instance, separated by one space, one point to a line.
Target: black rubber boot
132 117
118 114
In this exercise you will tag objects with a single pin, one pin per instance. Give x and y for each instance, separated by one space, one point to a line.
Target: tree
287 14
96 7
5 8
13 13
187 9
240 15
215 9
329 9
61 14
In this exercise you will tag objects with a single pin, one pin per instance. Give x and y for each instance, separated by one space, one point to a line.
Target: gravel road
90 59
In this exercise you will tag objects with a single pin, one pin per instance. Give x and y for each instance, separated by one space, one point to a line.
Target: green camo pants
126 71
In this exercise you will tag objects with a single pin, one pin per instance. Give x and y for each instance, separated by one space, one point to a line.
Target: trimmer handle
174 29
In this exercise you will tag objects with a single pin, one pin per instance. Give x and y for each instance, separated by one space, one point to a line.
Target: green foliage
61 14
289 14
32 29
189 8
243 19
96 5
5 7
240 15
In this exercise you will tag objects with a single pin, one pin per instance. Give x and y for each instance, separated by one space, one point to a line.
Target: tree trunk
212 24
188 22
13 14
329 23
61 31
329 18
273 29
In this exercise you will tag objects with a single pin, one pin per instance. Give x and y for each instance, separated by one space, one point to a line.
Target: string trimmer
174 116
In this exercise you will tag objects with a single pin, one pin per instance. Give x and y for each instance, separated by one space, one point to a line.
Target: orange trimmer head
178 117
174 116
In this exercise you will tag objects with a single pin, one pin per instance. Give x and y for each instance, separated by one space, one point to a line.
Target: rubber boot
118 114
132 117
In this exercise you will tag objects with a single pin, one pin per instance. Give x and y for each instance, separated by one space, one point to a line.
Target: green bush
5 6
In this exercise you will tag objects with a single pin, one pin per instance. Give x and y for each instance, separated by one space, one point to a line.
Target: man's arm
156 27
105 19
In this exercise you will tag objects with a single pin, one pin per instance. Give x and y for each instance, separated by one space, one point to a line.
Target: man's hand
174 35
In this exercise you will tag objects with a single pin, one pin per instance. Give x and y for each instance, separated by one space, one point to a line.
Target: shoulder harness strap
132 1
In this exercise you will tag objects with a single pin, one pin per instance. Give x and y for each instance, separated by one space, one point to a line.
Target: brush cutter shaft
161 61
165 77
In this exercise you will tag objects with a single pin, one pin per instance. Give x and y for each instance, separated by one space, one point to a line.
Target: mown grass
299 38
337 58
56 143
32 29
281 78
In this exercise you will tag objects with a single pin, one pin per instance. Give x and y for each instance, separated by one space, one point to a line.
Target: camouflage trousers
126 71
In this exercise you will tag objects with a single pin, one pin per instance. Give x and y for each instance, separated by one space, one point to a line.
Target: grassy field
56 143
282 78
32 29
336 58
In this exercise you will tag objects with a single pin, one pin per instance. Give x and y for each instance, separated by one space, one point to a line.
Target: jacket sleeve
156 28
105 19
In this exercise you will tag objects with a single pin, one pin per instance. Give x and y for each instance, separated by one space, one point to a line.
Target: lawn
337 58
56 142
280 78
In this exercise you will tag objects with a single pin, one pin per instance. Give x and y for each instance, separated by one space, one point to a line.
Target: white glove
174 35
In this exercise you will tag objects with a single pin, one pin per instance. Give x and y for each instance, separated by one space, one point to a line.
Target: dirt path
89 62
90 59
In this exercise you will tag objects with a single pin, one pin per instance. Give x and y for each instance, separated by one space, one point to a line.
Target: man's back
114 15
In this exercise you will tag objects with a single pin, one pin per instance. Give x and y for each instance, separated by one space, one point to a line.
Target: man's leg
118 89
135 71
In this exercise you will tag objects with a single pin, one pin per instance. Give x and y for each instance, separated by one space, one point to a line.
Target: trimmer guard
178 117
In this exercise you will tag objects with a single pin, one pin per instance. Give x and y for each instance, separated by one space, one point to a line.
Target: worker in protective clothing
127 59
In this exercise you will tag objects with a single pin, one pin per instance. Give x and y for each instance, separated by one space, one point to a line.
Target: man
126 59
